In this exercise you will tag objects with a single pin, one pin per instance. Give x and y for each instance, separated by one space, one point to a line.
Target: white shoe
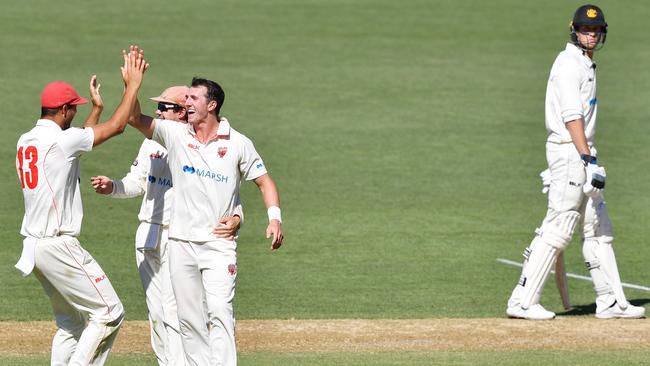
534 312
615 311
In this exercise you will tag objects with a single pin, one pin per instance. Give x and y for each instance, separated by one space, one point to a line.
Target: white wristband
274 213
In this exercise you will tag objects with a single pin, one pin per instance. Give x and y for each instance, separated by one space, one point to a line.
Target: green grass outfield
405 138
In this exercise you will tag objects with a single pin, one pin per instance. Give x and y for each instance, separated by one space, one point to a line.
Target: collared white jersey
149 175
47 163
571 94
206 176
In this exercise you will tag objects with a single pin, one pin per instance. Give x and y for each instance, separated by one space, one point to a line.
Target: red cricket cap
58 93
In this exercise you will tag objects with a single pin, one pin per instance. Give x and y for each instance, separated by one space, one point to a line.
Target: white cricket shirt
206 176
571 94
149 175
47 163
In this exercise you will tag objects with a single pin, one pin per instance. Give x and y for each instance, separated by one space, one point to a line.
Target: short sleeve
163 130
251 165
75 141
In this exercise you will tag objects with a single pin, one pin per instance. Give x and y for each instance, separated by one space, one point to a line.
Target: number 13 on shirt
27 155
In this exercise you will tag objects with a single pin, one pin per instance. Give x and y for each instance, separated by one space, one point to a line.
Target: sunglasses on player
164 107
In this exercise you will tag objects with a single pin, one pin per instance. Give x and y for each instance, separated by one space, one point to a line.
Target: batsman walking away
577 181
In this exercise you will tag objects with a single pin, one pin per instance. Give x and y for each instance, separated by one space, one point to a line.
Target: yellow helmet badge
592 13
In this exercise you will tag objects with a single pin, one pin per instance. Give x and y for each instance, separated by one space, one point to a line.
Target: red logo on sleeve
100 278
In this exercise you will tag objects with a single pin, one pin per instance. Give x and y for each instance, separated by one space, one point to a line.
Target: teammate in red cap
87 310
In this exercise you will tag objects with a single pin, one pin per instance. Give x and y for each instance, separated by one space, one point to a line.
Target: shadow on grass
591 308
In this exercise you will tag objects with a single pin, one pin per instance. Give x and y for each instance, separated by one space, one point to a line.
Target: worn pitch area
378 335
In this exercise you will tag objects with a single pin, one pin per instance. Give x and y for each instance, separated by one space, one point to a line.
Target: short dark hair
215 92
45 112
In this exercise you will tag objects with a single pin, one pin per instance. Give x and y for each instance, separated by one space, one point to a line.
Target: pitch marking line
573 275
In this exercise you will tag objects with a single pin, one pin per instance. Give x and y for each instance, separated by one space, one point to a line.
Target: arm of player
98 103
228 226
271 200
594 174
141 122
133 69
126 187
577 131
133 184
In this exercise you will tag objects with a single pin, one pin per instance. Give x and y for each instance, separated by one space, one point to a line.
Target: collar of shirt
47 123
223 132
580 54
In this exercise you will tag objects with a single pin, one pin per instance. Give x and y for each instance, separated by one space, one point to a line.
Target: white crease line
573 275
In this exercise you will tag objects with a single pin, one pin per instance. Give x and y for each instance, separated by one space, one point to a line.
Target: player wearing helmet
575 196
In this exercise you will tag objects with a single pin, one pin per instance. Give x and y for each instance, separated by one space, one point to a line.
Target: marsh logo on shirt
222 151
161 181
204 173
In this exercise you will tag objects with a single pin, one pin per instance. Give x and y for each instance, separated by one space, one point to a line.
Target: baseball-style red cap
58 93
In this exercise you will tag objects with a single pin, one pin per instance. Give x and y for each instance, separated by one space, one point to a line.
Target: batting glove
546 180
594 180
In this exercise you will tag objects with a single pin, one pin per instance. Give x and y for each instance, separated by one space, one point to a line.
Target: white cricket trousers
203 277
153 266
87 310
565 193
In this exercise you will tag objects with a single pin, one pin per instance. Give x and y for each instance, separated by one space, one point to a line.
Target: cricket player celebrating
575 192
150 176
208 159
87 310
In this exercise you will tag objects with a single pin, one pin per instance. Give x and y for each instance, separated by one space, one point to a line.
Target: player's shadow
590 309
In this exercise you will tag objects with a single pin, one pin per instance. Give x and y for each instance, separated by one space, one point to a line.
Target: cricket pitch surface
378 335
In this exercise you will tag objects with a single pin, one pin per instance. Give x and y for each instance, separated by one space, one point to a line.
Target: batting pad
605 253
536 272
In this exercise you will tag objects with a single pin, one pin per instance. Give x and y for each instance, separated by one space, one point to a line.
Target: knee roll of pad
558 232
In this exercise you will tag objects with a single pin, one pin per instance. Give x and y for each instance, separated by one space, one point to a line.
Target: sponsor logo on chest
161 181
205 174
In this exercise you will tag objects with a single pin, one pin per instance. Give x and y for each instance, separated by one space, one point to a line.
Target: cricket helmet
588 15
